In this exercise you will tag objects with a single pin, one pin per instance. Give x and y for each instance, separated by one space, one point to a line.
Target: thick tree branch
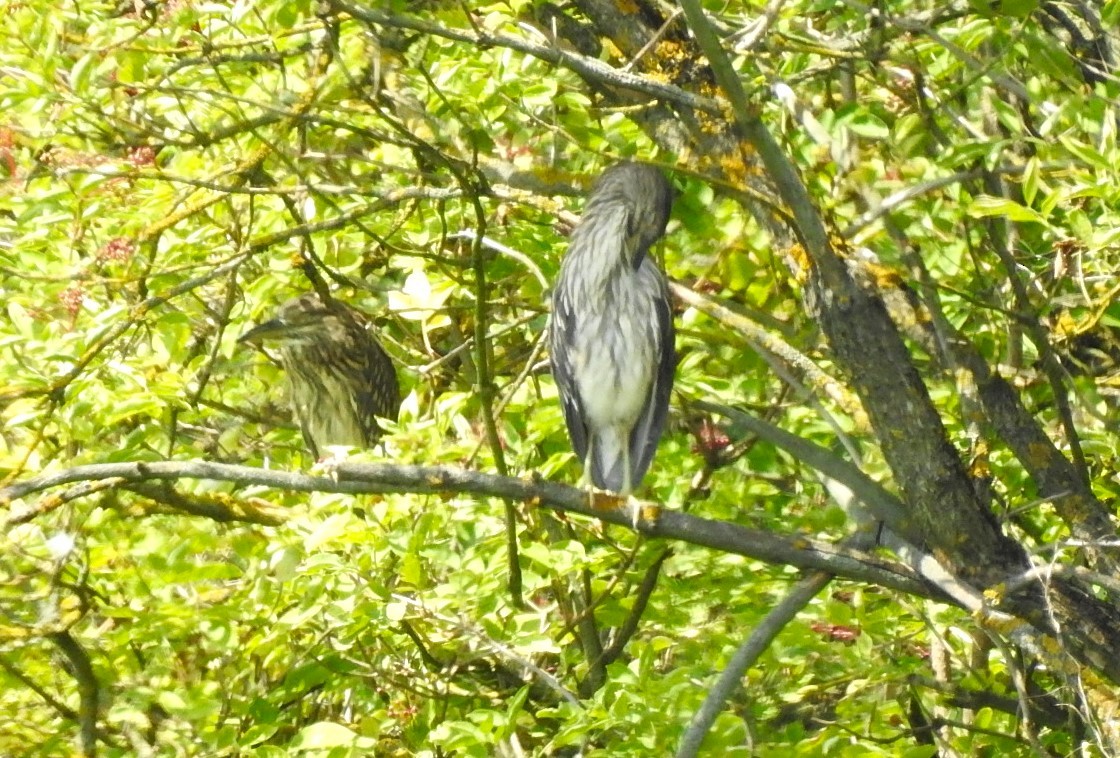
89 690
382 478
928 470
589 68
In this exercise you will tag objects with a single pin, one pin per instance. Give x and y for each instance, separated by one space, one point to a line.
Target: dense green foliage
172 171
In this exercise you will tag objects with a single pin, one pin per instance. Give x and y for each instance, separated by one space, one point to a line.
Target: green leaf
20 319
1030 180
986 205
325 735
140 404
412 570
867 124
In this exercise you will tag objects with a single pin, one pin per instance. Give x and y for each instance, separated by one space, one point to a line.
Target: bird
340 378
611 337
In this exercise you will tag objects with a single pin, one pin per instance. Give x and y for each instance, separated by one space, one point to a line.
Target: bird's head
301 320
643 195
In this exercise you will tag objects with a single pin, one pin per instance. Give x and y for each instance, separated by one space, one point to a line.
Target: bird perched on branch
611 331
339 376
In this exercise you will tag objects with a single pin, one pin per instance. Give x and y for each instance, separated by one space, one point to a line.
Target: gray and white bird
611 331
340 378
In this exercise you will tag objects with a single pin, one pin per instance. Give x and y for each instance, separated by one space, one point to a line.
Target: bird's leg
601 500
641 513
626 485
632 506
597 499
609 500
585 480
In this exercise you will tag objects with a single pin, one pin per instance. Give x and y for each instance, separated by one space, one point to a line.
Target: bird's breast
323 399
615 355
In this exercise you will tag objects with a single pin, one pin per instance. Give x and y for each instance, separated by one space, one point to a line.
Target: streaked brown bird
340 378
611 330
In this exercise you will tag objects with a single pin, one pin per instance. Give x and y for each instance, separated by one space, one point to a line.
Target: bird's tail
609 454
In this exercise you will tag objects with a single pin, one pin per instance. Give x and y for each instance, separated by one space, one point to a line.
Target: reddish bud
71 299
837 632
118 249
141 155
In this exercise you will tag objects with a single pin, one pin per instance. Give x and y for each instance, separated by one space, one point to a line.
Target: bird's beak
639 256
261 332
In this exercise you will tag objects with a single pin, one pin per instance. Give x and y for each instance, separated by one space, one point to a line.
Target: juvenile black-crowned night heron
611 331
339 376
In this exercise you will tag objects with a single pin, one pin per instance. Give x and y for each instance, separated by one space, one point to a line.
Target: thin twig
641 601
527 668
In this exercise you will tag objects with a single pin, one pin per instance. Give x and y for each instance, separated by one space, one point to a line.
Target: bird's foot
643 515
328 464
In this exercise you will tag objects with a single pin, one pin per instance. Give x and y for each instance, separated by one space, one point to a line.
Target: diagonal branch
885 506
219 507
587 67
958 529
641 600
89 690
755 644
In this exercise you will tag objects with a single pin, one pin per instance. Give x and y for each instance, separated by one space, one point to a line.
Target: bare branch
220 508
382 478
